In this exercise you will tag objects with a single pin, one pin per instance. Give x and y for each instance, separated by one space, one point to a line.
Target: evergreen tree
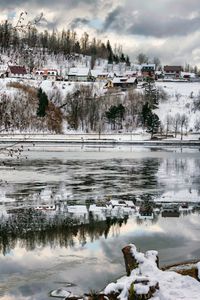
121 112
151 94
122 58
127 61
146 111
43 103
153 123
114 114
110 52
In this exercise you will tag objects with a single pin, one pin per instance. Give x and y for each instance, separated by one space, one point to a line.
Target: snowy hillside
181 97
94 102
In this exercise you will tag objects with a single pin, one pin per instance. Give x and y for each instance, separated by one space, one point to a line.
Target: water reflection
40 251
35 228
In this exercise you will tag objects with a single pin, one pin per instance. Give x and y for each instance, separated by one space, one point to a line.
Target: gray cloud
174 26
112 19
45 3
156 27
144 24
77 22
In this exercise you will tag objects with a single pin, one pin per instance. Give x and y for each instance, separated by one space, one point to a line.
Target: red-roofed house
16 71
172 71
50 74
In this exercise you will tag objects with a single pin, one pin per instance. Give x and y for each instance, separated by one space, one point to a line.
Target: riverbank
96 139
145 280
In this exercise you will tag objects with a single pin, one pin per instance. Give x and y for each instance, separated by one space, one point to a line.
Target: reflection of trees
179 165
35 228
147 174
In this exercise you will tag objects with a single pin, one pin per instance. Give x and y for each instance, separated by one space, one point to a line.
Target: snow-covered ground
172 286
181 97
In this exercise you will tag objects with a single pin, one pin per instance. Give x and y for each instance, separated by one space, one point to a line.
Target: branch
21 26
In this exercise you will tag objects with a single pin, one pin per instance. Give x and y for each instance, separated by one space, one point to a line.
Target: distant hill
33 48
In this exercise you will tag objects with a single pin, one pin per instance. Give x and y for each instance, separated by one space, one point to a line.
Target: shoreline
94 139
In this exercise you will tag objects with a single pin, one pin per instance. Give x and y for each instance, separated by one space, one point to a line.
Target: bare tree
142 58
183 123
176 123
157 62
169 121
197 125
23 25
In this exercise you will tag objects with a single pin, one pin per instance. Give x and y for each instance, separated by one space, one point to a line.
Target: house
130 73
122 83
148 70
189 76
79 74
16 71
50 74
172 71
99 75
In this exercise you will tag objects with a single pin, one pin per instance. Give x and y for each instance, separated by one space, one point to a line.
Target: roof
146 66
45 71
173 68
130 73
189 74
79 71
124 80
96 73
18 70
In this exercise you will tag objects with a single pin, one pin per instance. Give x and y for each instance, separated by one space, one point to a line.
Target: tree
157 62
153 123
151 94
43 103
110 52
146 111
176 123
142 58
183 123
121 112
115 113
169 121
127 61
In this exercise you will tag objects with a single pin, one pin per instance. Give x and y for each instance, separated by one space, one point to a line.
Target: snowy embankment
169 285
144 281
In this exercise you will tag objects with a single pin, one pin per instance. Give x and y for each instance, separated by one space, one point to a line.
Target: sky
168 29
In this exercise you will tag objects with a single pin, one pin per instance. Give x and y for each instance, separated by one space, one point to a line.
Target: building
79 74
172 71
148 70
122 83
16 71
99 75
50 74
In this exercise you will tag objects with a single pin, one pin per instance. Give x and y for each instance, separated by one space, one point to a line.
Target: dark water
89 256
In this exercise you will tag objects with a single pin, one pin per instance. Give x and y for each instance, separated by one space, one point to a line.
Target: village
115 76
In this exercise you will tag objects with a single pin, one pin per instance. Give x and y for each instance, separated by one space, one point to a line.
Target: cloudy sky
169 29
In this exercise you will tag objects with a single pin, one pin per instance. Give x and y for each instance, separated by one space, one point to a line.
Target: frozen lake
31 265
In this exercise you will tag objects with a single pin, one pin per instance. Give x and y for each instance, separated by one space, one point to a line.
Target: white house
79 74
50 74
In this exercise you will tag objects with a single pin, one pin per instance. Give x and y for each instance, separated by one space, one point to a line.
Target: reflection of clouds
187 227
175 239
183 195
132 227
